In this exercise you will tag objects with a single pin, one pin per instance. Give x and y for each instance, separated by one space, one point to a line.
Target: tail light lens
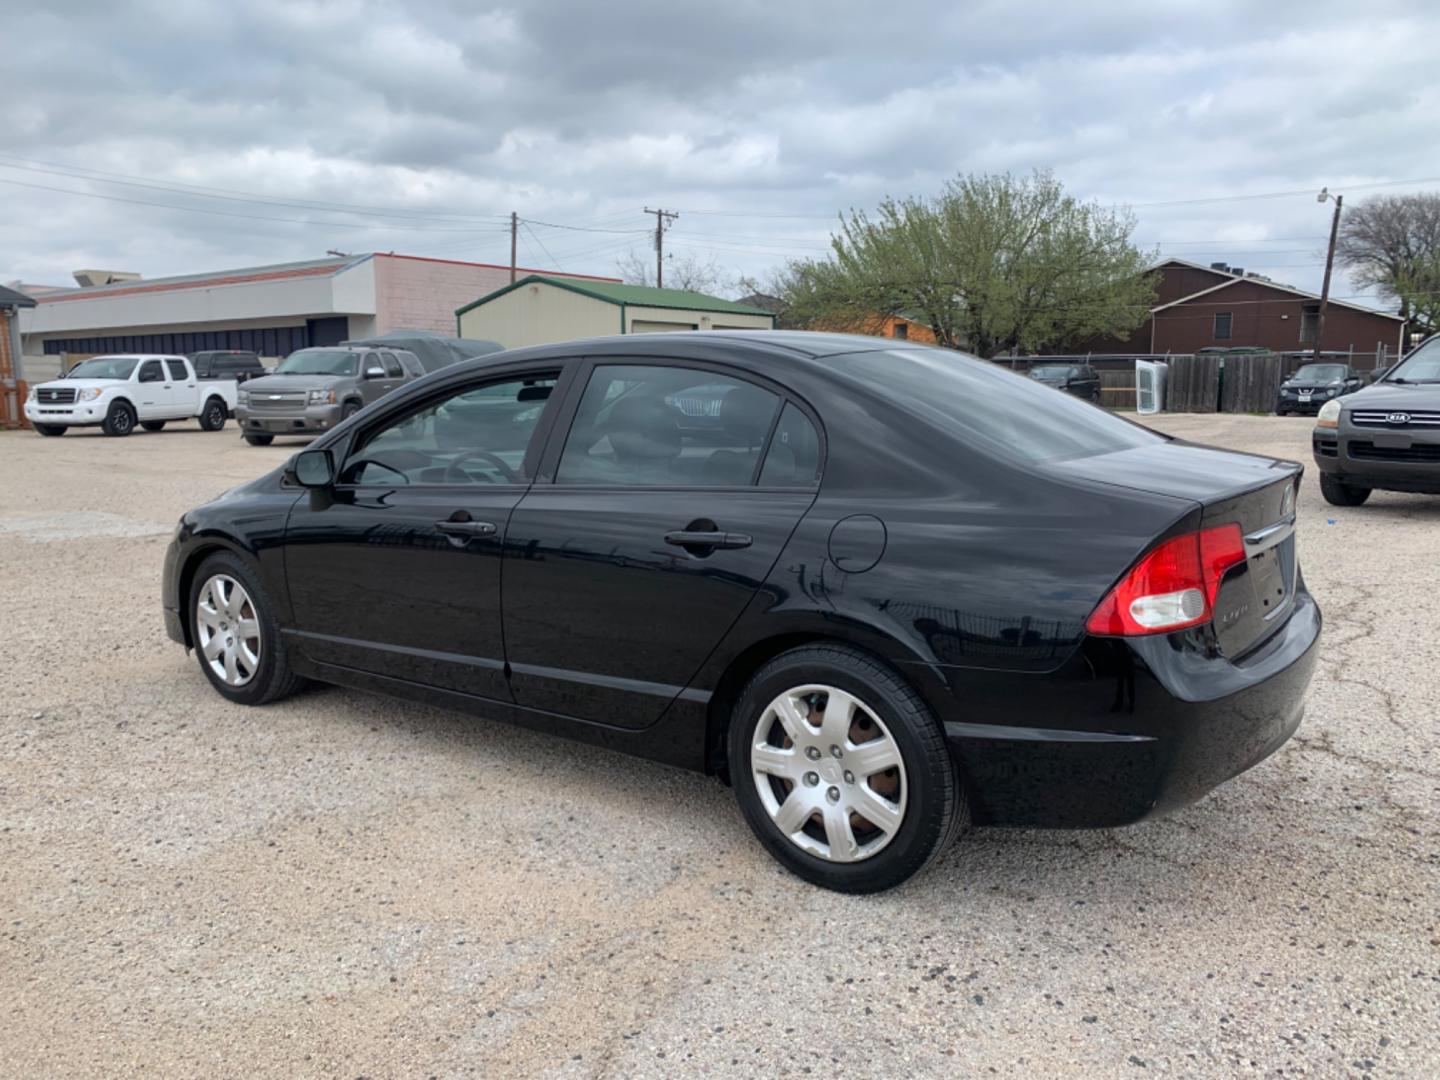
1173 587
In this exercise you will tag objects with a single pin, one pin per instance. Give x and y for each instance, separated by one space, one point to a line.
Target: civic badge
1398 418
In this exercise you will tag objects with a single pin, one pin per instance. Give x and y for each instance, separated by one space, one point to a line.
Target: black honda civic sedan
881 590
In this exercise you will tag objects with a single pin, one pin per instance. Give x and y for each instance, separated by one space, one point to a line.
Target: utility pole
514 235
663 218
1329 265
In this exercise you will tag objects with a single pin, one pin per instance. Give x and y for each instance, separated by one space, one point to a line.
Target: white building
272 310
540 309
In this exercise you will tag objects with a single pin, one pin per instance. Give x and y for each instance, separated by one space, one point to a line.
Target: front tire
50 430
350 409
120 420
153 425
1341 494
236 634
259 440
212 417
842 772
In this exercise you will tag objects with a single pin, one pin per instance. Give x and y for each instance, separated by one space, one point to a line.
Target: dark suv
1313 385
1082 380
237 364
1384 436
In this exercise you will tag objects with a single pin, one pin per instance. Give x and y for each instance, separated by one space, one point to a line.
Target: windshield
317 362
1423 365
103 367
1320 373
981 402
1049 372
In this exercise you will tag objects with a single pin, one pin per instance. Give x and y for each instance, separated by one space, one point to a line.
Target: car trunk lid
1257 494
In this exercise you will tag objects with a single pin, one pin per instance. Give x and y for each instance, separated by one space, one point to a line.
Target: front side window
393 369
1222 325
318 362
477 436
177 369
150 371
640 426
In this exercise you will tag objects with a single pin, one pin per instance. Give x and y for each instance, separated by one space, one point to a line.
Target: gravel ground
344 885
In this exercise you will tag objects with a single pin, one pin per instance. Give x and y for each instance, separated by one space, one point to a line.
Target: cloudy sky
168 137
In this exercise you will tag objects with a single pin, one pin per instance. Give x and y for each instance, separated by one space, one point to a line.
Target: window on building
1222 325
901 331
1309 323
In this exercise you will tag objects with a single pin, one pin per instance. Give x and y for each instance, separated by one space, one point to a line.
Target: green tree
1393 243
995 262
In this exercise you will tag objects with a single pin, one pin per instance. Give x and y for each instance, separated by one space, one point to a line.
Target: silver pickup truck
312 390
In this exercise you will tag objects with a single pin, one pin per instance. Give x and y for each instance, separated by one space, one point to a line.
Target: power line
553 261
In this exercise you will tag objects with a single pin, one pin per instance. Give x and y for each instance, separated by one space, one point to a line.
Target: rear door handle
466 529
709 539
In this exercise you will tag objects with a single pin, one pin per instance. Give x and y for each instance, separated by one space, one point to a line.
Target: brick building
1200 306
272 310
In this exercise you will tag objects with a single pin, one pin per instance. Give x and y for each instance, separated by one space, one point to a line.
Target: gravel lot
343 885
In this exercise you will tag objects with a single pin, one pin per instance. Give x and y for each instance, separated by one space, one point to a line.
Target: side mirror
313 468
374 373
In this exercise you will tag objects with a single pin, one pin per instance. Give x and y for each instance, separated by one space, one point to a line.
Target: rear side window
412 365
392 366
980 402
793 459
177 369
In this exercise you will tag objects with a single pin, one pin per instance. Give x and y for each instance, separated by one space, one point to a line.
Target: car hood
79 384
1393 397
271 384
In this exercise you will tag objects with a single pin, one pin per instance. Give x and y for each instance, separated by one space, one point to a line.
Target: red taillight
1172 587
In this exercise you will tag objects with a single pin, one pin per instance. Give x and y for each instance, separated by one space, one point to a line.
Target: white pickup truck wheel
119 420
212 416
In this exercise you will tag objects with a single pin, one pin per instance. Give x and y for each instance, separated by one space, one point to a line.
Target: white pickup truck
117 392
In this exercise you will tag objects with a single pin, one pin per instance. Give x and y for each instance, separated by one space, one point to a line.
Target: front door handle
465 531
699 538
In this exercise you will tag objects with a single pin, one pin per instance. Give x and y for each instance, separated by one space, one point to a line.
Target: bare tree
688 272
1392 243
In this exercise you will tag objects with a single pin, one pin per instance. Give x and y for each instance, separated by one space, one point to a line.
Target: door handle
465 530
688 538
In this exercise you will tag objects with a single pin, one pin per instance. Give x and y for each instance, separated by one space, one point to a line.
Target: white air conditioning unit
1150 386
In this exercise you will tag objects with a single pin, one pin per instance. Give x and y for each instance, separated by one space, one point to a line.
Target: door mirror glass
313 468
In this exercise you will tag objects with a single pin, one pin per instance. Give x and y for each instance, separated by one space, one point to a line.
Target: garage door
642 326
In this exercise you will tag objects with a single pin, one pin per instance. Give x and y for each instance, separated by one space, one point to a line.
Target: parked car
1313 385
1384 436
117 392
1082 380
930 591
312 390
236 364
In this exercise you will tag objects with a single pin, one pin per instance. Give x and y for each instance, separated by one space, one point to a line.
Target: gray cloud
581 113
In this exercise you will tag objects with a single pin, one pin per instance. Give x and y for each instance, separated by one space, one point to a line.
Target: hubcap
829 773
228 629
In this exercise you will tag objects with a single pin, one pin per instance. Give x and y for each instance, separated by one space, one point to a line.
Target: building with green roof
538 309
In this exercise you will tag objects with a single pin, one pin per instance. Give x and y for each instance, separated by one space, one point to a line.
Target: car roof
134 356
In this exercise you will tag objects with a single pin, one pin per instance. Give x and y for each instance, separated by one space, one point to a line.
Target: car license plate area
1392 441
1273 574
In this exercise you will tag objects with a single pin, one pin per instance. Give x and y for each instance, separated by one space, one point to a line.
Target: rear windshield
103 367
980 402
1320 373
317 362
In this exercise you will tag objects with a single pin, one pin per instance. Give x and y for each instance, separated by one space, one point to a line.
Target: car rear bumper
310 420
1130 728
1358 457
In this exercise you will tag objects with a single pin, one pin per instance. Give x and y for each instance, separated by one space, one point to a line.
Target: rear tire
120 420
50 430
247 627
259 440
212 416
153 425
1340 494
899 765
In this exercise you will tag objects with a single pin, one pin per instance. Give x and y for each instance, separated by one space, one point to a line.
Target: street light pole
1329 265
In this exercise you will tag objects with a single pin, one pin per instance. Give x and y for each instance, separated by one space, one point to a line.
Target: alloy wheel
228 629
829 773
